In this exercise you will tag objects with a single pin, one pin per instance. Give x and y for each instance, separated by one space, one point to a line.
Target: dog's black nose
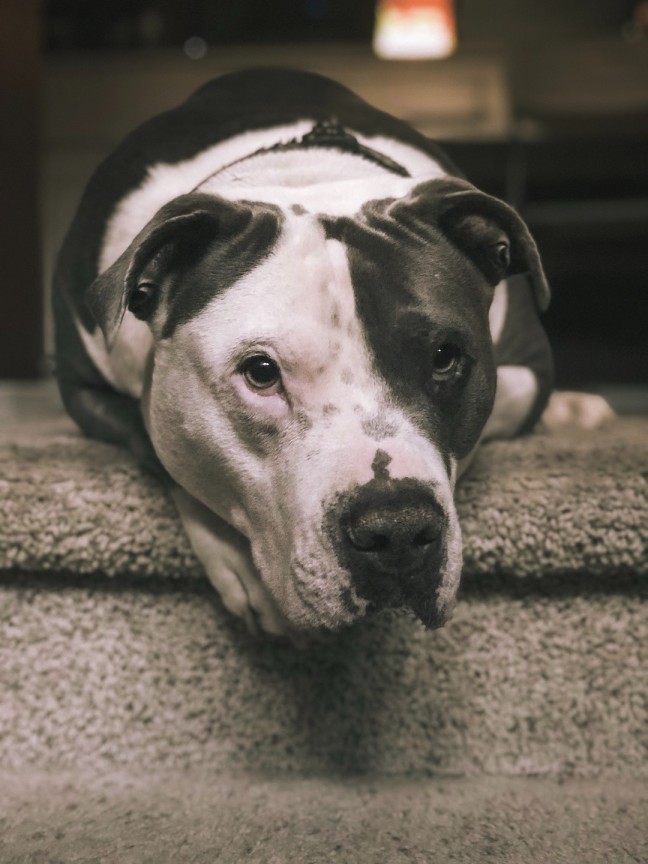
395 532
389 534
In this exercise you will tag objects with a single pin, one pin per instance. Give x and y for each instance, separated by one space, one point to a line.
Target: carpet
194 818
115 650
545 506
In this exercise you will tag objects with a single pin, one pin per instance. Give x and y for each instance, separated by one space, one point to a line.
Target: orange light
414 29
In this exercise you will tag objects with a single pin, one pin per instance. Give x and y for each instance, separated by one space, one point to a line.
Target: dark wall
574 162
21 324
585 198
75 24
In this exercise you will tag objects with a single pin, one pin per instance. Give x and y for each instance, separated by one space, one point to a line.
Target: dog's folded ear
184 221
487 230
179 234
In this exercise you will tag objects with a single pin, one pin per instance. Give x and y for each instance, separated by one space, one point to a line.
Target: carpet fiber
197 819
537 507
115 651
140 723
164 677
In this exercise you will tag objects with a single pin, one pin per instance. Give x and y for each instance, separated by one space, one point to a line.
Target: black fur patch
380 465
415 290
245 236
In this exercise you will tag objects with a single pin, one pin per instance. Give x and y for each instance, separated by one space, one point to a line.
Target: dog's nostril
390 532
380 541
426 536
367 540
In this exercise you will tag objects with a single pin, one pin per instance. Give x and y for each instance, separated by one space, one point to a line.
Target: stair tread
540 507
131 817
99 676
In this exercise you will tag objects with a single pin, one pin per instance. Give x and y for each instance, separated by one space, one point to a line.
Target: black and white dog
291 302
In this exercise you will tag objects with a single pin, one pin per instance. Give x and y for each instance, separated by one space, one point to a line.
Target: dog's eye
261 372
445 361
142 299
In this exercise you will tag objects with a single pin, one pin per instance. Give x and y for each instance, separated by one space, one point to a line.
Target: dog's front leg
517 390
225 554
515 394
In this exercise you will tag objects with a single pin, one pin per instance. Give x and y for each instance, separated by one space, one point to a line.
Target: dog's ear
487 230
179 232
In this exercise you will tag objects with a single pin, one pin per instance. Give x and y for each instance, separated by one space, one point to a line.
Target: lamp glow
414 29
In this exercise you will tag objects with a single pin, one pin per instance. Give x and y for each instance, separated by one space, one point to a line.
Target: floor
138 817
36 401
30 402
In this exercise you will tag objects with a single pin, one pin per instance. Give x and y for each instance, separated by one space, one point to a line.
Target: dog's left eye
261 372
445 361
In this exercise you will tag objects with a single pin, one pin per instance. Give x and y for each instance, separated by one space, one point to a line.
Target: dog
294 308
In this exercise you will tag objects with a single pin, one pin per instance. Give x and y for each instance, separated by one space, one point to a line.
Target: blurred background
542 102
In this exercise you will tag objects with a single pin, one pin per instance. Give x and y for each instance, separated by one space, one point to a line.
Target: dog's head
315 381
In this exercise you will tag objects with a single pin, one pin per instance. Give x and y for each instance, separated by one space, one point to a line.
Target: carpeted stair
134 705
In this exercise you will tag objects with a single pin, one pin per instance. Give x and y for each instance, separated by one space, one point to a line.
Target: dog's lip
428 611
319 618
439 618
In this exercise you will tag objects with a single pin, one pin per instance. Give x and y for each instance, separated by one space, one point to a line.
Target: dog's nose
396 531
391 536
394 536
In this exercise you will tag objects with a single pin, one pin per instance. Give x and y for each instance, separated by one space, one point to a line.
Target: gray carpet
139 721
540 684
114 650
537 507
123 818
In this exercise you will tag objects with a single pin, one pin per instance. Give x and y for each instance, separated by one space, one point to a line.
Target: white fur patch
167 181
517 389
124 365
580 410
336 184
497 311
95 345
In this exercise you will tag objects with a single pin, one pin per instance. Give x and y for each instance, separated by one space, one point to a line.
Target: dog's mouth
390 535
330 607
382 545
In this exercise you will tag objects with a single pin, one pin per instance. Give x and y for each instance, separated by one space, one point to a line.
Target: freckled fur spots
303 421
378 428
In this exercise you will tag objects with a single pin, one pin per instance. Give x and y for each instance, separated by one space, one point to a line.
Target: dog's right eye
261 372
445 362
142 299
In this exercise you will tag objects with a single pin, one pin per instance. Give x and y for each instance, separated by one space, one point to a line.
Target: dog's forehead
298 300
324 293
401 259
408 277
353 318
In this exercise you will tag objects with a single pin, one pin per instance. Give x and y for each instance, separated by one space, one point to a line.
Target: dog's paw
234 576
580 410
225 555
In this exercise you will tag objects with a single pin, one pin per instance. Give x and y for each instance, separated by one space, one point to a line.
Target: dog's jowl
291 307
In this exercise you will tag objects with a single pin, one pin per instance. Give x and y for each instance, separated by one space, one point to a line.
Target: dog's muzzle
390 536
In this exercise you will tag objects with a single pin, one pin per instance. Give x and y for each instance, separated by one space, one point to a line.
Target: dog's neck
327 153
330 135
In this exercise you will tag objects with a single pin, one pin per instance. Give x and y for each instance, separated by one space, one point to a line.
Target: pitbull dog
291 305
